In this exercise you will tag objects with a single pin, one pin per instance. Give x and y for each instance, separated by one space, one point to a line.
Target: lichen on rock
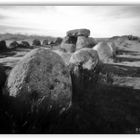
40 75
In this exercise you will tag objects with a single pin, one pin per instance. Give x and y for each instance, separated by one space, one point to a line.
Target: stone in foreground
84 67
41 76
78 32
65 56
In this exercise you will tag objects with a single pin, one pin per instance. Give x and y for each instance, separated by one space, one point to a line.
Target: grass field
111 107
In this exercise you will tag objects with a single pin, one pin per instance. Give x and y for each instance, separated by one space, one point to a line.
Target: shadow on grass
127 52
100 109
103 110
7 53
129 59
121 70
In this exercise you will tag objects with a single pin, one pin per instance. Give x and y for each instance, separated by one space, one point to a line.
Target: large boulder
105 52
36 42
3 46
69 40
45 42
78 32
65 56
85 42
68 47
41 76
58 41
13 45
51 42
113 47
84 67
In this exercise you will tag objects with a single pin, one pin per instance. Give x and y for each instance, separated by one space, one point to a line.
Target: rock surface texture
41 76
68 47
84 67
79 32
65 56
84 42
78 37
105 52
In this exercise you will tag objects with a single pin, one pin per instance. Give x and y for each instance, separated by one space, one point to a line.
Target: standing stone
58 41
78 32
45 42
24 44
105 52
68 47
3 46
41 76
84 67
13 45
65 56
36 42
69 40
113 47
84 42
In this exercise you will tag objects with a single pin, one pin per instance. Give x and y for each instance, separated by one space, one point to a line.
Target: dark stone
24 44
36 42
84 68
3 46
68 47
13 45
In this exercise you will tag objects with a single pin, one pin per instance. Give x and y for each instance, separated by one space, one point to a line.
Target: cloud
103 21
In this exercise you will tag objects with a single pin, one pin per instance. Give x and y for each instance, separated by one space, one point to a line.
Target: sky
103 21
